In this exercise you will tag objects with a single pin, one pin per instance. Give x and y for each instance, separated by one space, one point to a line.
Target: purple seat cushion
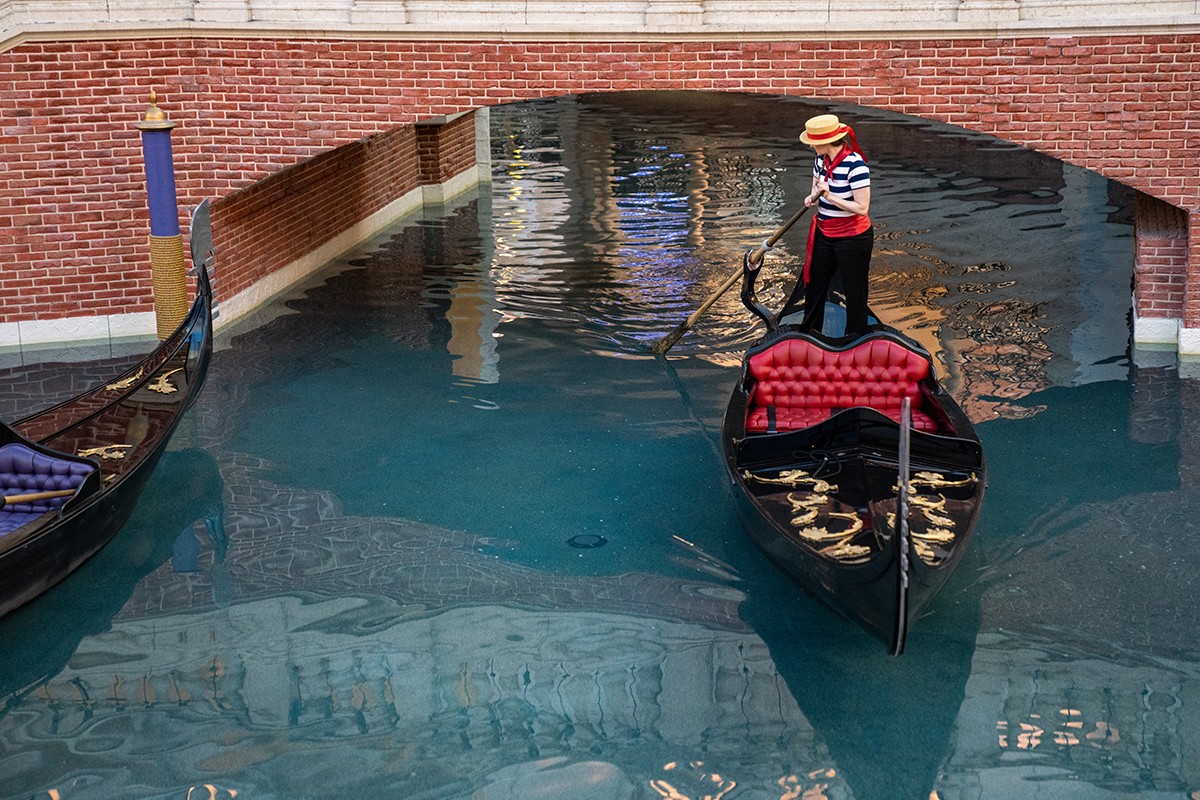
25 471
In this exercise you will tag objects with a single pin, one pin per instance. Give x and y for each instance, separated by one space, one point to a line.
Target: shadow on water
1089 511
888 723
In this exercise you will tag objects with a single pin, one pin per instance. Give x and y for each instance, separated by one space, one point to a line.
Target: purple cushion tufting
24 470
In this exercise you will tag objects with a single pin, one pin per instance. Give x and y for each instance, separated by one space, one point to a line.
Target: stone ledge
53 333
600 20
1157 331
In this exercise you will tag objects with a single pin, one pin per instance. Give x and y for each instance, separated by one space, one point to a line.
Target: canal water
441 526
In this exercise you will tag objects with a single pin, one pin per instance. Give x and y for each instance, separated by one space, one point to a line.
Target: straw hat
823 129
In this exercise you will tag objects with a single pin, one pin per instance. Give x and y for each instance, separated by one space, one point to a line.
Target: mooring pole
166 243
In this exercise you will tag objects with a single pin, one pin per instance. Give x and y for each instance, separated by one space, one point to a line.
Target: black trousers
850 259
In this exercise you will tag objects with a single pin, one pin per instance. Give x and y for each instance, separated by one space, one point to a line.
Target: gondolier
840 237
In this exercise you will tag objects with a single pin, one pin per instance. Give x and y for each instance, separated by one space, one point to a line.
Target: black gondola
815 445
72 474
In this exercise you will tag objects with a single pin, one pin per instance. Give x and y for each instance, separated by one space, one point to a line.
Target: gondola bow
72 474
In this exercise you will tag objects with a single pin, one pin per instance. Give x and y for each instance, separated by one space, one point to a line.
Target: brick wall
445 148
292 212
72 206
1160 258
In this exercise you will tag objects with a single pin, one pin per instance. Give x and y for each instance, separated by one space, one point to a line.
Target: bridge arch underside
306 144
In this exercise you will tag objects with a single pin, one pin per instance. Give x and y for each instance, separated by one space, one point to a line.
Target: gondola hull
821 499
50 555
117 432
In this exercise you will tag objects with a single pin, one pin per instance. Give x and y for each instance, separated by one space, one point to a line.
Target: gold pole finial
154 113
155 118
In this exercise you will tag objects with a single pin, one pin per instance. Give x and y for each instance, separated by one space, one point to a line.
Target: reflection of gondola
73 473
43 635
813 443
888 723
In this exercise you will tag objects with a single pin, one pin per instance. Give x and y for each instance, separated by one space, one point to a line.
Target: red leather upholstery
807 384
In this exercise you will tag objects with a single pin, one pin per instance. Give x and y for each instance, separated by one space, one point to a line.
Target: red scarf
853 225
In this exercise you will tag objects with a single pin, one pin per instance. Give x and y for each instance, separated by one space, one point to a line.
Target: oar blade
667 342
670 340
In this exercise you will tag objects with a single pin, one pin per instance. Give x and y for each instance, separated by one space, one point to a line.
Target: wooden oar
33 497
667 342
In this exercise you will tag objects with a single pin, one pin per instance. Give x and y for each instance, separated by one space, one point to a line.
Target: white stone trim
609 20
1157 330
1189 341
39 333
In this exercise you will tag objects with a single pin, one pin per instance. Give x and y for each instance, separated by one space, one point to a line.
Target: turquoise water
441 526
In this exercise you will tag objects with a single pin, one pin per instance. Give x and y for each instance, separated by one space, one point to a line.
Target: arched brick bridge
309 134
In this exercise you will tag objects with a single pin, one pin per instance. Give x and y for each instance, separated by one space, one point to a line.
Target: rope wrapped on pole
170 289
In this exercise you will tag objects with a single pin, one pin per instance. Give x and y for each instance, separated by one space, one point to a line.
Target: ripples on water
441 527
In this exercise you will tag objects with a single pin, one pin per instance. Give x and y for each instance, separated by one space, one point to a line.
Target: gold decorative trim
125 383
113 452
164 386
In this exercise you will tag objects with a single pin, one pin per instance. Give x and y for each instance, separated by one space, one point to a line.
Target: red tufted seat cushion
807 384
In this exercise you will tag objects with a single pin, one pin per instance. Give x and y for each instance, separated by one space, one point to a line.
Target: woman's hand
820 189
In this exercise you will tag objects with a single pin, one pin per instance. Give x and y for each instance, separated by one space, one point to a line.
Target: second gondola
71 475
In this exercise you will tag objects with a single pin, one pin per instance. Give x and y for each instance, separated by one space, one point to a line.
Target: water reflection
185 493
474 699
402 591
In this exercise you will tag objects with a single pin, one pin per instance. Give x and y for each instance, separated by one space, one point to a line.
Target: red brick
247 110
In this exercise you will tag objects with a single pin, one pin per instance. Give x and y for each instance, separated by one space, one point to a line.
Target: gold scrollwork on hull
808 508
936 480
125 383
810 501
108 451
164 386
938 519
926 507
793 477
821 535
846 551
926 503
805 516
814 534
936 536
856 522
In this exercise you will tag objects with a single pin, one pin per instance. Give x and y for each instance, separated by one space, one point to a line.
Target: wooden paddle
667 342
16 499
